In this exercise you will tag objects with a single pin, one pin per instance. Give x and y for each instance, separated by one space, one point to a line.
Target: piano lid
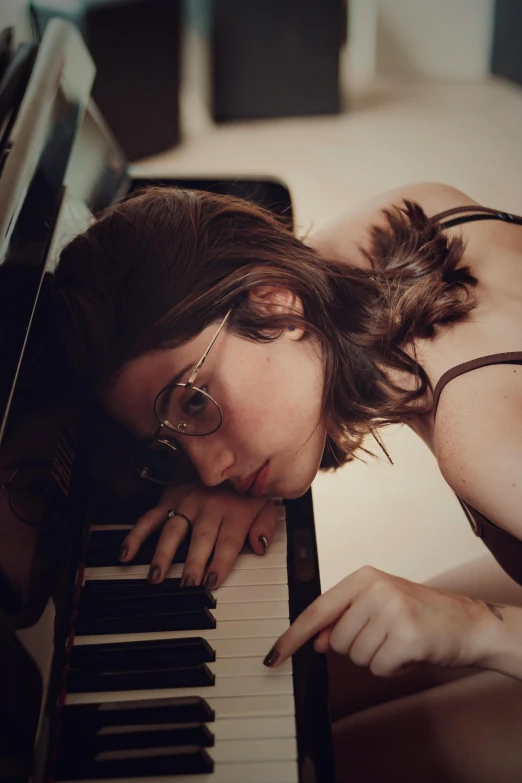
60 166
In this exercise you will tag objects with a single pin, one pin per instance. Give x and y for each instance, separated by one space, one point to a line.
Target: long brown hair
157 268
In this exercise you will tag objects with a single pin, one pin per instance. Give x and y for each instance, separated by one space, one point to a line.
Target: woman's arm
388 623
503 642
478 443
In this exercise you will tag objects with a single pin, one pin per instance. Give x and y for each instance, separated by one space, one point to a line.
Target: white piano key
244 707
236 751
243 648
274 576
282 727
253 728
257 610
228 629
224 648
238 707
222 728
241 667
248 593
227 751
243 563
257 772
225 687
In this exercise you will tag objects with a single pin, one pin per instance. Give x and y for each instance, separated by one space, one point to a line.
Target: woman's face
272 436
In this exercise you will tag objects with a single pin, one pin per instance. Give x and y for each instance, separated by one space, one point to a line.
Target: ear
275 299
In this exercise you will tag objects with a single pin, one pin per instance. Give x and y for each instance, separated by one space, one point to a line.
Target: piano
103 676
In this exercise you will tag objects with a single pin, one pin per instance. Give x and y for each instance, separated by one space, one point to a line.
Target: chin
295 482
296 487
298 493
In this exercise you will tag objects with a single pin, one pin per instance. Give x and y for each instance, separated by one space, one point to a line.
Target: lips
251 481
245 485
258 485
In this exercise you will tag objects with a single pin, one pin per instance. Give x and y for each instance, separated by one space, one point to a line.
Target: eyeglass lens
189 411
164 464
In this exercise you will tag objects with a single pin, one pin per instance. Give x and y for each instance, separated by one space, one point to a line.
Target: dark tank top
505 548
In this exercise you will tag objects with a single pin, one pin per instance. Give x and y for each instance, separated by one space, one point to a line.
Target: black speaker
136 48
276 59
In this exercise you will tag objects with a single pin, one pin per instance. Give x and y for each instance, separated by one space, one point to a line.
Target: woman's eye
195 404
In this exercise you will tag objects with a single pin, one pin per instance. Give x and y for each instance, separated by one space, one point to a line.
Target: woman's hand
387 624
220 518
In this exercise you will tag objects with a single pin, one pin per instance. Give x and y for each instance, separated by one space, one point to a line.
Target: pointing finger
322 613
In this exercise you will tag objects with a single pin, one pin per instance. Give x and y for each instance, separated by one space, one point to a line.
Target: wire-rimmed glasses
184 409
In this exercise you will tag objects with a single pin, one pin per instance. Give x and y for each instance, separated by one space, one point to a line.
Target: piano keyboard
167 683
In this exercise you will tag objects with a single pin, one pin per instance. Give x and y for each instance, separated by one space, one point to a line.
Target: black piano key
84 681
120 738
105 545
124 512
181 709
141 655
146 762
147 601
103 587
195 620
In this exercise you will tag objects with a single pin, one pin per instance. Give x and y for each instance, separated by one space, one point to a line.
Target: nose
211 457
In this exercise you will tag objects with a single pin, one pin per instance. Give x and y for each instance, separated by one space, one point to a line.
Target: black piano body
59 166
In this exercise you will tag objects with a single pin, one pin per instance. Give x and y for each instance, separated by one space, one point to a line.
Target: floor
401 518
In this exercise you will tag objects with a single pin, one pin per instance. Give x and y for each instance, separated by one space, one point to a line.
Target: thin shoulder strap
511 357
485 213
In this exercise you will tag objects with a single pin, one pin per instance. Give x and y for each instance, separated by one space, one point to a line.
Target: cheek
278 412
272 399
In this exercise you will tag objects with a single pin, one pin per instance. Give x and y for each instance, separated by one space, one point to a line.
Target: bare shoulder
342 235
478 442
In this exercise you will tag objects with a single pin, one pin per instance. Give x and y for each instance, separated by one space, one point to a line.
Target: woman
210 332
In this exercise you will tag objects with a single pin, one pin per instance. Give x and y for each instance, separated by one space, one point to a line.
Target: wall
421 40
14 13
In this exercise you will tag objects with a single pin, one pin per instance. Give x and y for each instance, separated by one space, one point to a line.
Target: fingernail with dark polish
263 541
272 657
188 582
154 573
211 580
124 551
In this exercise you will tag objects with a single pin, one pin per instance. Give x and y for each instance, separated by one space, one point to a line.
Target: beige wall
416 40
14 13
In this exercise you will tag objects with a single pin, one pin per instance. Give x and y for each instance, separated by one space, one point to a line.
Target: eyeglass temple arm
199 365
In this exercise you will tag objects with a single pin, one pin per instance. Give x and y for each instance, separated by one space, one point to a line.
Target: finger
173 534
204 535
393 657
228 546
142 529
365 645
322 641
347 630
320 614
342 635
387 661
262 531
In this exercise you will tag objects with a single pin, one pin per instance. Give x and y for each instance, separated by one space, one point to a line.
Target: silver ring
171 513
